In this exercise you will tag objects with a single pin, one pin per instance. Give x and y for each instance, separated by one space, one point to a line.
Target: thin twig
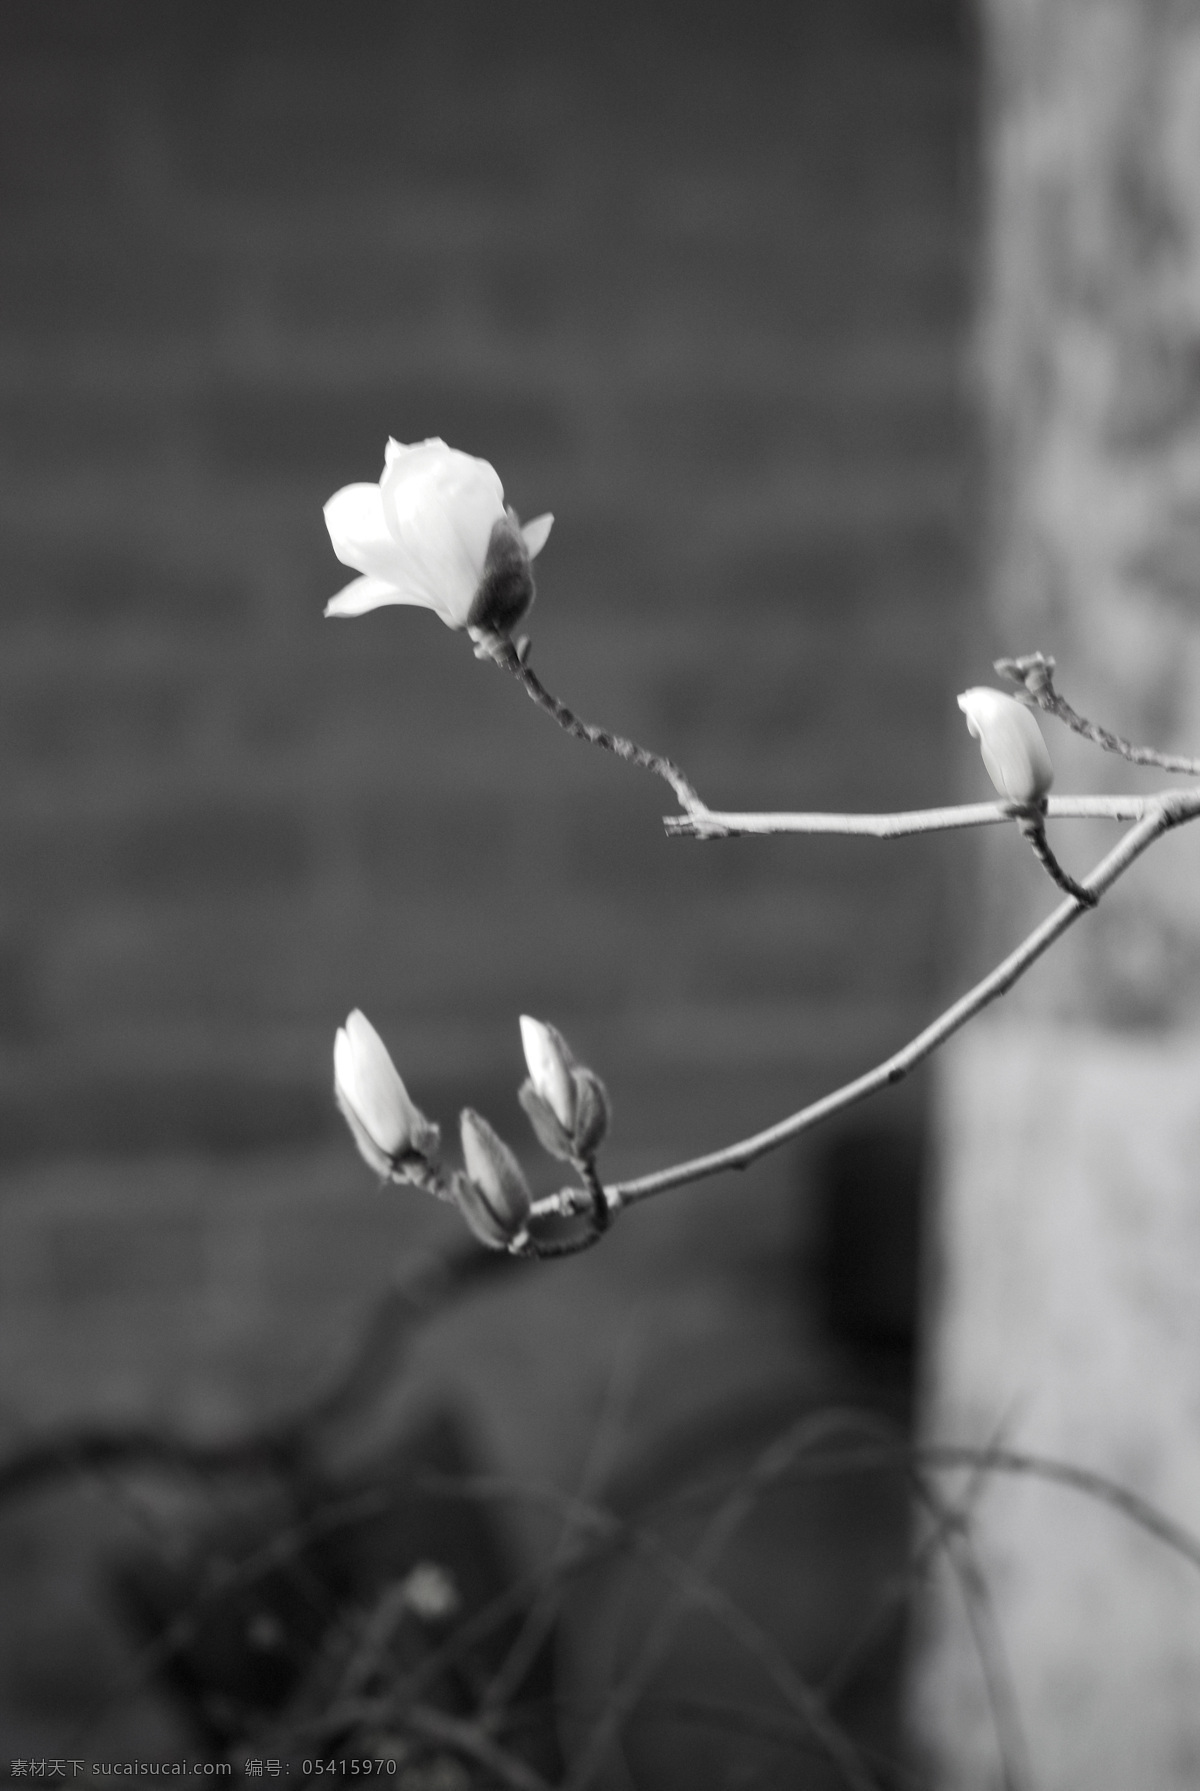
1035 672
692 1585
782 1730
516 661
601 1215
1016 1768
875 1456
375 1637
712 824
535 1249
1165 812
1164 1529
1033 826
469 1739
539 1620
600 1530
901 1588
768 1468
895 1594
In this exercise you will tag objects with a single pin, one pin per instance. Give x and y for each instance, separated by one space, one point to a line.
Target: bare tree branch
1164 813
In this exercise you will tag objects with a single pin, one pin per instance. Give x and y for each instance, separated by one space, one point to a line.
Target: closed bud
494 1197
547 1130
388 1127
550 1063
592 1113
1014 752
566 1102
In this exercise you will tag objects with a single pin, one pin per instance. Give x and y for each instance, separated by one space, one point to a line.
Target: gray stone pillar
1066 1250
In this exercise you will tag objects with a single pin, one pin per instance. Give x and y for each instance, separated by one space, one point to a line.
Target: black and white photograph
599 919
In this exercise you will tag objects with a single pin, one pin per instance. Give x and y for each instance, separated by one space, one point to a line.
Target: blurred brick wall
694 277
695 281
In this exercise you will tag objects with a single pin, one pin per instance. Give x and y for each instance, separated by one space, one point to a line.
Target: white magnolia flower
494 1197
387 1125
1013 749
435 531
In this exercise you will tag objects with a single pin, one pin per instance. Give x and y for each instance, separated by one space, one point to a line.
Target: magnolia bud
494 1198
1014 752
566 1103
550 1063
592 1113
387 1126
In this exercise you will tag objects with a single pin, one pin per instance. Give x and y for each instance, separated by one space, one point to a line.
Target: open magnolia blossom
493 1197
1014 752
567 1103
388 1127
435 531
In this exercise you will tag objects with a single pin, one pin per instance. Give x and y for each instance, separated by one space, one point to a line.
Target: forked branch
1164 813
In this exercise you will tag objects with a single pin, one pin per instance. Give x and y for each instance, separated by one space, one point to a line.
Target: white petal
440 506
397 450
549 1064
368 1150
358 530
366 1081
1014 752
363 594
537 533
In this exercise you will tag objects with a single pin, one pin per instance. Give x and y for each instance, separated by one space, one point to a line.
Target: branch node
1033 825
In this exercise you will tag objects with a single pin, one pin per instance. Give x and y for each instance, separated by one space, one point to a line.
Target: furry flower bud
566 1103
591 1114
550 1063
387 1126
1014 752
436 532
494 1197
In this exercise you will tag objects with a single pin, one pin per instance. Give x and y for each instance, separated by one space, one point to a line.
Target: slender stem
516 662
468 1738
1035 671
1183 1542
1165 812
898 1592
538 1624
1015 1767
601 1214
591 1199
1034 829
711 824
693 1583
567 1203
548 1249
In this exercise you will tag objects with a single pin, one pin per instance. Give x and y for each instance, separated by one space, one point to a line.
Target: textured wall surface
695 278
1068 1318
